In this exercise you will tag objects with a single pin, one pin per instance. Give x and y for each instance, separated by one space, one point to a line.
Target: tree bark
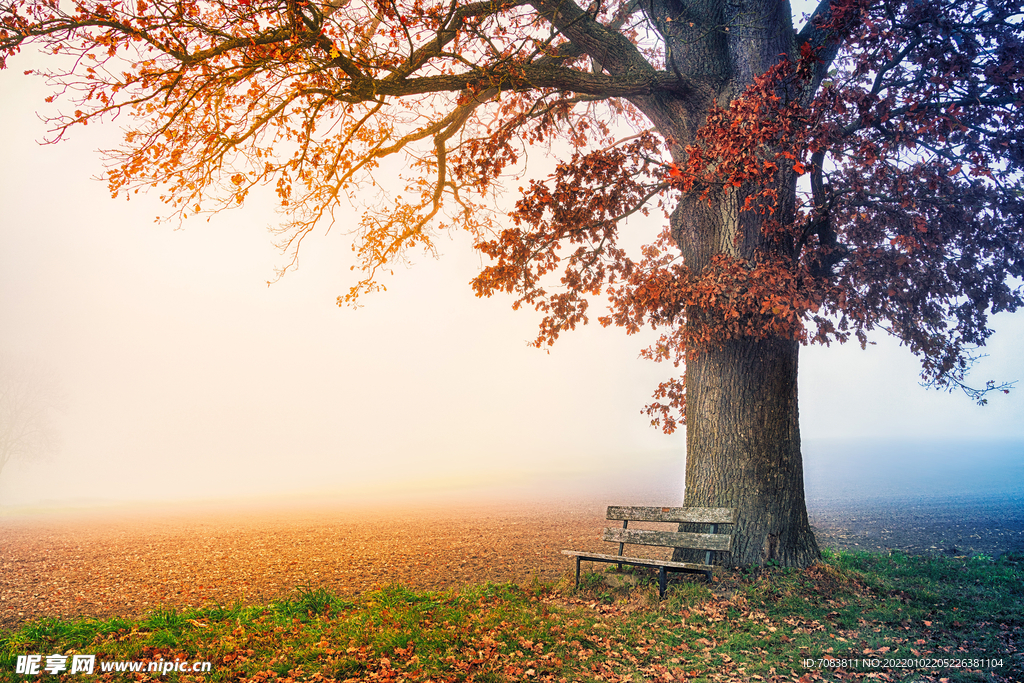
743 448
742 425
742 428
742 416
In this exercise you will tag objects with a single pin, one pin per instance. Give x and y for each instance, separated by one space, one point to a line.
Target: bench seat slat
670 539
673 514
641 561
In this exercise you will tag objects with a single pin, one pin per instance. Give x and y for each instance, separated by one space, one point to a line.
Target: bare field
137 560
128 561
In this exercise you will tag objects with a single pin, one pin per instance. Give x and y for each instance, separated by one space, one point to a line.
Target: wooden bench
711 542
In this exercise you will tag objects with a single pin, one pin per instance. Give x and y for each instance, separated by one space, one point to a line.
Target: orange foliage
904 117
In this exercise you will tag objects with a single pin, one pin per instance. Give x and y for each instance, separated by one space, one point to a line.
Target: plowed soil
130 561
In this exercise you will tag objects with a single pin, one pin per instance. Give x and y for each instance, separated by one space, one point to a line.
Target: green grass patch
856 616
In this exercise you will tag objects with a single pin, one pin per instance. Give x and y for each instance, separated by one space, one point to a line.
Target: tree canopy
906 116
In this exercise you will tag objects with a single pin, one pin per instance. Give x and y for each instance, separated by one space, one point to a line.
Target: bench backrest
671 539
696 515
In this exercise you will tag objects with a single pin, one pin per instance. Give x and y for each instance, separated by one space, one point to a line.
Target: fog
189 379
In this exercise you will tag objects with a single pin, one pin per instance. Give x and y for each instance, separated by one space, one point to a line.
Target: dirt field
128 561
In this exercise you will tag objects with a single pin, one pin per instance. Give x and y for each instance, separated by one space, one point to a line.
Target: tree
861 173
28 398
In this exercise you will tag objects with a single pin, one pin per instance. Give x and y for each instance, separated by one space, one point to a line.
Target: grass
856 616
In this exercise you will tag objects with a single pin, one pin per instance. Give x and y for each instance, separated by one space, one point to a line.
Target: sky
188 378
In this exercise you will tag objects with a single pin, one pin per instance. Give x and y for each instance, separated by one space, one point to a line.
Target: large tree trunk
742 431
742 417
743 448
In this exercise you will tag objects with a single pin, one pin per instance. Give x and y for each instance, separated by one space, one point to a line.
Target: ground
126 561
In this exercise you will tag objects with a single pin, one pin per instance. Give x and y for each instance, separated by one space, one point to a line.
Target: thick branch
529 78
825 32
604 45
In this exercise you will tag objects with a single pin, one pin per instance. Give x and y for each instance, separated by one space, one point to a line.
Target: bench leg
625 525
577 571
662 581
707 555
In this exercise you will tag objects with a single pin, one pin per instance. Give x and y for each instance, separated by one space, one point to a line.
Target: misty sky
188 377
